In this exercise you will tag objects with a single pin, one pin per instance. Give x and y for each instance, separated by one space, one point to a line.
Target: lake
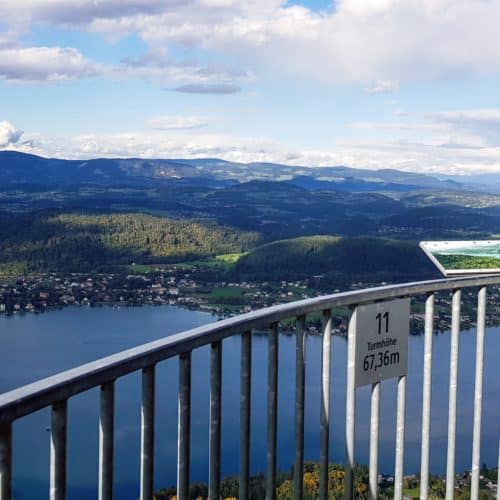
35 346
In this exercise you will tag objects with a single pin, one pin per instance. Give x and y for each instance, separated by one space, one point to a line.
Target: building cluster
180 287
39 293
166 287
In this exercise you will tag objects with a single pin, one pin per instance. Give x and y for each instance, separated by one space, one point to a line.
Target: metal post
6 461
326 355
452 402
400 439
215 419
106 441
300 374
350 414
272 412
58 451
147 433
374 431
478 393
426 397
245 407
184 426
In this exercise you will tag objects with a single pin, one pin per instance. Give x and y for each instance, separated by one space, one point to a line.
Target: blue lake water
35 346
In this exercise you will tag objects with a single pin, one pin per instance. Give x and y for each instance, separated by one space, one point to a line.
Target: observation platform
54 392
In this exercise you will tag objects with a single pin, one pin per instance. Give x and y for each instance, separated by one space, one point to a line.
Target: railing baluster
272 412
245 408
58 437
374 431
452 403
215 418
184 432
147 433
400 439
426 397
106 441
300 368
478 393
326 354
350 414
6 461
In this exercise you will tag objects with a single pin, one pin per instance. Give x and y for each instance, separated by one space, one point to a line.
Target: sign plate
382 332
458 258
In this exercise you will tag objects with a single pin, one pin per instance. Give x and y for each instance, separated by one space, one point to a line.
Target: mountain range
25 169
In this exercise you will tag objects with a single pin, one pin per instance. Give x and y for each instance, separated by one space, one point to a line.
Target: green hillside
362 258
79 242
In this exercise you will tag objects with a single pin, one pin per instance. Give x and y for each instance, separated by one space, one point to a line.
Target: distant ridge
20 168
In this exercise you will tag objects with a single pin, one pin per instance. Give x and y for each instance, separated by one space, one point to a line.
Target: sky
406 84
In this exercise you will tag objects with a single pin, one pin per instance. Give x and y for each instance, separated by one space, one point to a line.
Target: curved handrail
35 396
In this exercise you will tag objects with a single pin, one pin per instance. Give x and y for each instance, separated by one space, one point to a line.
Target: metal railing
55 391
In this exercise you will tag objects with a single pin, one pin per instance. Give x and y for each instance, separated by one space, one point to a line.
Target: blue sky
409 84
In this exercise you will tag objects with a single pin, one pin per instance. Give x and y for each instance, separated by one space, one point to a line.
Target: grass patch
229 258
141 268
412 492
226 292
222 262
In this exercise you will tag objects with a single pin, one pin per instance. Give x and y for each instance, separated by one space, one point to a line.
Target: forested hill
72 242
363 259
77 242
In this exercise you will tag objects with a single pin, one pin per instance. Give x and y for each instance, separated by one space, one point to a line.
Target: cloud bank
427 142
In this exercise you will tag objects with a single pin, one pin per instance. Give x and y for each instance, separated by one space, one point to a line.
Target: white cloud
472 116
383 87
208 88
361 8
44 64
176 122
78 11
360 41
480 126
157 65
401 127
9 134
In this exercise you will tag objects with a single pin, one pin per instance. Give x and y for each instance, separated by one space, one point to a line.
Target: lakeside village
177 286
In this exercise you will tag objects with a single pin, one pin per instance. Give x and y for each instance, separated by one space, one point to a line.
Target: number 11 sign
381 338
